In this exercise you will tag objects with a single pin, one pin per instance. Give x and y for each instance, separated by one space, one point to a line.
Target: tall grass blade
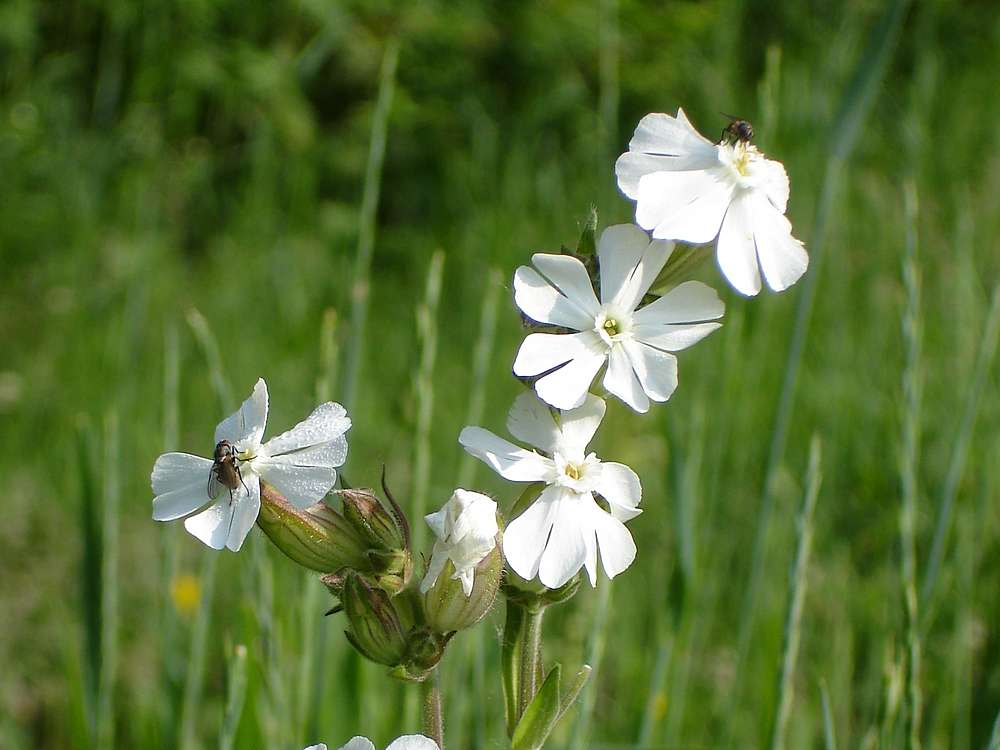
314 629
360 285
91 578
798 583
909 462
960 448
109 585
236 688
170 658
854 108
195 677
461 701
595 651
829 733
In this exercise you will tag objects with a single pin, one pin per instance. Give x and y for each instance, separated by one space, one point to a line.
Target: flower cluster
605 322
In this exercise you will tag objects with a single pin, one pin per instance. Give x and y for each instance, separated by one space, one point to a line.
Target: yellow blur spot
185 591
659 706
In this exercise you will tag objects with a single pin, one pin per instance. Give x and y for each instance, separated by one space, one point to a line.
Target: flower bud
382 529
446 605
378 626
318 538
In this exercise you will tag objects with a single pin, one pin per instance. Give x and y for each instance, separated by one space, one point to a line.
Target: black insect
737 130
225 471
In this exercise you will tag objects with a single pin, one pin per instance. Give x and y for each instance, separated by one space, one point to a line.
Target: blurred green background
185 190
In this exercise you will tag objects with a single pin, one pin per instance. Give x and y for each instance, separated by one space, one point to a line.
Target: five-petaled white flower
635 343
689 189
466 529
564 527
300 463
406 742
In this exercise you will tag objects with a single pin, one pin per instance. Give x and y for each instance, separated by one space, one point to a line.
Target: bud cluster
365 556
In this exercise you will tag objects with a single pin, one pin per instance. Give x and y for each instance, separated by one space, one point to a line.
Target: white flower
406 742
466 529
300 463
689 189
564 528
635 344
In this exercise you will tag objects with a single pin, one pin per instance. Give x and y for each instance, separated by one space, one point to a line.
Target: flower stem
531 655
433 721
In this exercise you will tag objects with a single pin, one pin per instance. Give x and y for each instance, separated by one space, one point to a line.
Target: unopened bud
446 605
318 538
382 529
378 625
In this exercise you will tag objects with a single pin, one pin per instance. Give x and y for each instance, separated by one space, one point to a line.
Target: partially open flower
300 463
464 573
689 189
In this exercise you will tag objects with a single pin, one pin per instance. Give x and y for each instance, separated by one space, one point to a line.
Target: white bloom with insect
689 189
406 742
300 463
466 529
634 342
565 527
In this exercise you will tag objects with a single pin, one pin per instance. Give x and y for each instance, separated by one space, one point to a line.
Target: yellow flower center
611 327
573 471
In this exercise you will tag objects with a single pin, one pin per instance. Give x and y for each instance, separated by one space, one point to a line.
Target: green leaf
541 715
573 690
588 243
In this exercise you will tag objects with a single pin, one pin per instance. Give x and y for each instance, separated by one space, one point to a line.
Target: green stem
433 721
530 657
510 649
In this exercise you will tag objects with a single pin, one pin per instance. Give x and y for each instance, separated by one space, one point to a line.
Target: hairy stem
433 721
530 661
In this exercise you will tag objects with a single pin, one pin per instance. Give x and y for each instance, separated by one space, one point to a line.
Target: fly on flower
225 471
737 130
300 463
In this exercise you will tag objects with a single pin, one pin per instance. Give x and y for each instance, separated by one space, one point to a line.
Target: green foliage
209 162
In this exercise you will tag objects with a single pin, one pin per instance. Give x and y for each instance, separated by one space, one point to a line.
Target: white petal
439 557
358 743
689 302
530 420
327 422
329 454
615 541
506 459
540 352
320 746
567 387
736 252
181 501
212 525
413 742
686 206
620 486
622 382
542 302
783 259
571 278
525 537
245 510
302 486
577 426
247 423
174 470
673 338
629 264
566 550
773 180
656 370
675 144
180 483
